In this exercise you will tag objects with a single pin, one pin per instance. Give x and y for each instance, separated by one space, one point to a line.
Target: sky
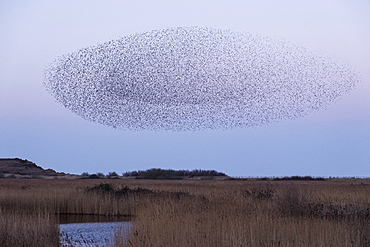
329 142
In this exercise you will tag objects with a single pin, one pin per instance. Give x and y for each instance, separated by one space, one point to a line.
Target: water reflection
89 230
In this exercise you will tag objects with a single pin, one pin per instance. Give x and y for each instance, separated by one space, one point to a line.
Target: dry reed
193 213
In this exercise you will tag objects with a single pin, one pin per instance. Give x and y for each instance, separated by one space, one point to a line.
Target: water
90 230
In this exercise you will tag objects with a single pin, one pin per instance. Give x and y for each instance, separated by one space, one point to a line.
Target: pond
88 230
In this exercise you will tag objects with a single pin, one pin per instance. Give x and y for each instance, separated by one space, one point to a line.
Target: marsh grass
29 209
193 213
18 229
256 214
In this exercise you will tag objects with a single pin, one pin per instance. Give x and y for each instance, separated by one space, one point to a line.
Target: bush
93 176
112 175
108 189
100 174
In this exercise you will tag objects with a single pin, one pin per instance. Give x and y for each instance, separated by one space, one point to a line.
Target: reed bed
19 229
233 213
193 212
29 209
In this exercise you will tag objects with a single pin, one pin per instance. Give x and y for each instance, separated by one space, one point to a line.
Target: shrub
93 176
100 174
108 189
112 175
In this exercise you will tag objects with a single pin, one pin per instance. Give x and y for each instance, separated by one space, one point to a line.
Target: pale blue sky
330 142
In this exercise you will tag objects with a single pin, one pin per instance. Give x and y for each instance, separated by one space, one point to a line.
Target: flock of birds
195 78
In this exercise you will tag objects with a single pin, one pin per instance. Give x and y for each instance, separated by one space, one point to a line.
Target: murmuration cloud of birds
195 78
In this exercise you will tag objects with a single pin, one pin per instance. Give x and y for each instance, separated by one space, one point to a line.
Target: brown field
174 213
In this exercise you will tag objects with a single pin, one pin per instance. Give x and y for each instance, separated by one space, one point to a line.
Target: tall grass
18 229
29 209
256 214
193 213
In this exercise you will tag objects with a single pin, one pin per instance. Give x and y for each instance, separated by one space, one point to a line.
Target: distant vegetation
297 178
157 173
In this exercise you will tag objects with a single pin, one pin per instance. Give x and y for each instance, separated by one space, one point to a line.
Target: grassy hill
15 167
